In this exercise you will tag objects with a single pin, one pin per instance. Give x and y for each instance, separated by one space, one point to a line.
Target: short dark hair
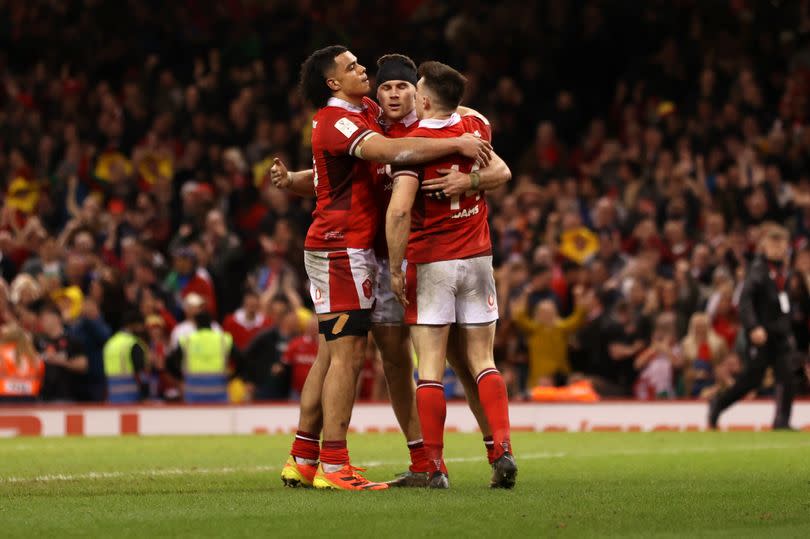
401 58
313 74
445 82
203 320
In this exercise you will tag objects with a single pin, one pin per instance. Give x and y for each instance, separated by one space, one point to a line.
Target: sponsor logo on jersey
346 126
466 213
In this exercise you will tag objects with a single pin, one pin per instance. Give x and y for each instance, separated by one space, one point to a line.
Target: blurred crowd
647 144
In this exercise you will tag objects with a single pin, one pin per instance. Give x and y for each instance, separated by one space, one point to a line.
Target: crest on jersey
491 300
346 126
367 289
318 294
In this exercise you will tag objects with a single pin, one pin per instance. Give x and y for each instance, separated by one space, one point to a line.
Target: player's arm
455 183
414 150
397 228
301 182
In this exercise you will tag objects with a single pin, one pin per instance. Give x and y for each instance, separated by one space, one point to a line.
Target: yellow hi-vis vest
206 351
121 384
205 363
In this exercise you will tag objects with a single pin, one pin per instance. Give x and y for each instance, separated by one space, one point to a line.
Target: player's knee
349 324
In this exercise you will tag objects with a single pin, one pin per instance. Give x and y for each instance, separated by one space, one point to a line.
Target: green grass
574 485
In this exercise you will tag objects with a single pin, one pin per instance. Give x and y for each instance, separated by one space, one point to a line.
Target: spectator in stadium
165 384
246 322
21 369
547 335
625 339
702 350
725 373
191 277
263 360
659 362
193 304
92 332
301 353
63 355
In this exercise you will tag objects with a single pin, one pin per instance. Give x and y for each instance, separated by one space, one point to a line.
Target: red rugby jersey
448 228
345 214
384 181
300 355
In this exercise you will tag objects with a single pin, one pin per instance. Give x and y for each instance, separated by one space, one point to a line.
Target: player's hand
475 148
279 174
452 183
398 287
759 336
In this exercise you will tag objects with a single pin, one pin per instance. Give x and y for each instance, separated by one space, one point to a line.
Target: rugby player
449 276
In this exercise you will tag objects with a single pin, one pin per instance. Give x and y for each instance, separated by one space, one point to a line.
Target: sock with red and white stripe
495 400
489 444
334 455
419 458
432 408
306 448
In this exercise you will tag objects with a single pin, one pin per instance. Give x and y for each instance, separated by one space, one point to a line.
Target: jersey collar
407 121
433 123
337 102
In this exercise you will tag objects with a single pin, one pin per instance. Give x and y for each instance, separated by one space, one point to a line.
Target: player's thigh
342 280
477 341
430 343
476 297
387 310
431 290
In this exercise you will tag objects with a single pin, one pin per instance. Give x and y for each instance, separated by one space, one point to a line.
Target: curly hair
313 74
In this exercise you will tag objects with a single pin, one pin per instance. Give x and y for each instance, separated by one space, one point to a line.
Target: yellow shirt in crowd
548 345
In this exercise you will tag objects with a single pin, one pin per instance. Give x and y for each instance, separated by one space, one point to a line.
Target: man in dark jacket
766 320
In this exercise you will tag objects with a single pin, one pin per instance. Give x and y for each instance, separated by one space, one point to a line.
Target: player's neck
436 114
354 100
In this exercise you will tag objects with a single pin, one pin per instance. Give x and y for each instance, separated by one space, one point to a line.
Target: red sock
432 409
494 399
305 446
334 452
419 458
489 444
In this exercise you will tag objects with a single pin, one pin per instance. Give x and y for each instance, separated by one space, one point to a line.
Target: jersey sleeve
344 132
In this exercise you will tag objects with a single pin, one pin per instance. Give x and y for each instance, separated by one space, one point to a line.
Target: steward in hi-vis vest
205 362
125 363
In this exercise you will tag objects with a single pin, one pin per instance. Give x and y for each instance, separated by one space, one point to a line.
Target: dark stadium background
666 130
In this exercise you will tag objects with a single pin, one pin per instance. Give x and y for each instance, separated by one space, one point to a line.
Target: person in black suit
765 315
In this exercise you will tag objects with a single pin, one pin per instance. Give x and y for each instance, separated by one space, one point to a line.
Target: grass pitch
575 485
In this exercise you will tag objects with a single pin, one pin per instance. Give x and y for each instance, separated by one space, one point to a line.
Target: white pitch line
167 472
173 472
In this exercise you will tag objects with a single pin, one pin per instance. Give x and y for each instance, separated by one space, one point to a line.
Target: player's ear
333 84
